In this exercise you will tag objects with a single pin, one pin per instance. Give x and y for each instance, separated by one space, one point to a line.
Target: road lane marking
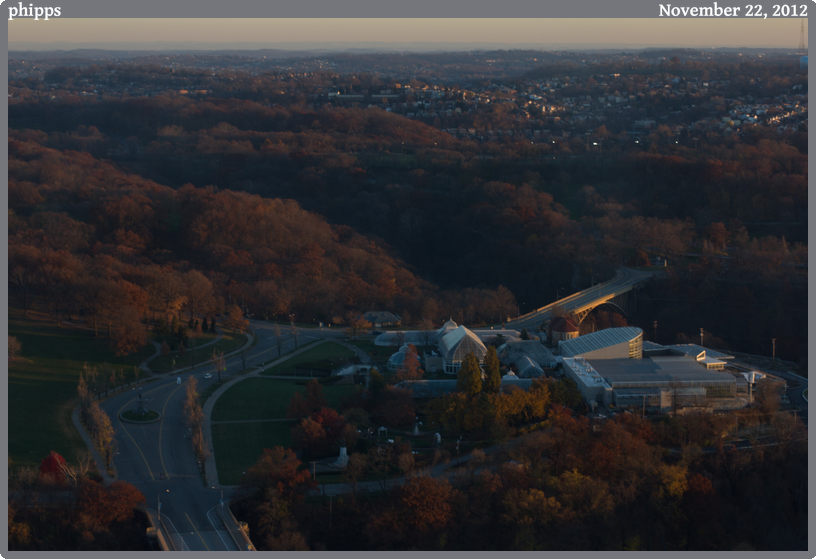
161 428
184 546
196 531
122 425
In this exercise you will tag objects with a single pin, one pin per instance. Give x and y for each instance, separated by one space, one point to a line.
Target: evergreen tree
470 376
492 383
376 383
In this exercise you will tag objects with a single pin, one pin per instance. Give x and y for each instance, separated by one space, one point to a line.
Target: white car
208 375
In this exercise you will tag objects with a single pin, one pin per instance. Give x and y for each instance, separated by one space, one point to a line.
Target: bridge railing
169 534
236 532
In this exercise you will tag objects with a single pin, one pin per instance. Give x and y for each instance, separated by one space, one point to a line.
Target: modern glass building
612 343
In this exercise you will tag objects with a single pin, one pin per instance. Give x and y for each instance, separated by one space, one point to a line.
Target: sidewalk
364 357
209 466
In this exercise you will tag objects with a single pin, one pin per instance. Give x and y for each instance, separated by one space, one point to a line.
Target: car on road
208 375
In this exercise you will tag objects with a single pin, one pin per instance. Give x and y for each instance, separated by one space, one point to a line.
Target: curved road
158 457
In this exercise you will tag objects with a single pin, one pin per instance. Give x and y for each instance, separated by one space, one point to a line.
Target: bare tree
14 347
295 334
219 362
195 420
356 468
426 327
406 464
276 329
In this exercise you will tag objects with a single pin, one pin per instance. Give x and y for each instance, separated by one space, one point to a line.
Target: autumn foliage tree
469 377
410 369
235 320
279 469
51 468
422 508
492 382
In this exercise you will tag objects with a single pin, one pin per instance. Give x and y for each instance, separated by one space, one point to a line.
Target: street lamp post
655 331
701 337
773 341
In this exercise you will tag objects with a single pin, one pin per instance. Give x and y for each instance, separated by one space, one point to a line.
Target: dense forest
573 485
220 187
455 219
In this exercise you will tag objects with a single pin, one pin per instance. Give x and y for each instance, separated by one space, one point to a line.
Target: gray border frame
345 9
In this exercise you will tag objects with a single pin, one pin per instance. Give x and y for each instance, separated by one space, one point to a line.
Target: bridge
614 292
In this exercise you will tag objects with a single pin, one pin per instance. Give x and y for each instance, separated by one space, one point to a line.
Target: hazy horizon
356 46
401 34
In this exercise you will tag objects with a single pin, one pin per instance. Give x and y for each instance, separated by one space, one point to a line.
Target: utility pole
774 349
314 470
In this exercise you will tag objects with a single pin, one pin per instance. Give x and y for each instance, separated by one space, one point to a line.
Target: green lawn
227 344
262 398
238 446
42 385
379 352
326 350
199 337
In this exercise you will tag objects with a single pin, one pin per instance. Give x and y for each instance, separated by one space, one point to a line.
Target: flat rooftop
657 369
693 350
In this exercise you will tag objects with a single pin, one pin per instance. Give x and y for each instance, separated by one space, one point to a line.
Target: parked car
208 375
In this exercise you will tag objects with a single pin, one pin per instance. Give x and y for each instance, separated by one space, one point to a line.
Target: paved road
624 279
795 395
148 451
158 457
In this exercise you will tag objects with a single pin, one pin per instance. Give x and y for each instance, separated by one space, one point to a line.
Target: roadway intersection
158 457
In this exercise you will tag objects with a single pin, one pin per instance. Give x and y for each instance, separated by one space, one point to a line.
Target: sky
602 33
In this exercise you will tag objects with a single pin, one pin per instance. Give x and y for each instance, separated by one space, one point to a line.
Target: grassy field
326 350
199 337
227 344
261 398
42 385
379 352
238 446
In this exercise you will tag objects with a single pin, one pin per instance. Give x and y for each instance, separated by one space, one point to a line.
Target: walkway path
364 357
249 420
212 474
